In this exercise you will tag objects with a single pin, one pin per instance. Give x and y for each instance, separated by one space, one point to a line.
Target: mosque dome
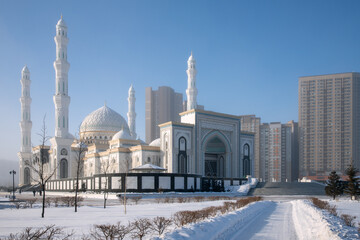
25 69
155 143
104 119
122 134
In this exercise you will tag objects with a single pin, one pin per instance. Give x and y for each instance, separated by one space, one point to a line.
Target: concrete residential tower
161 106
329 124
25 153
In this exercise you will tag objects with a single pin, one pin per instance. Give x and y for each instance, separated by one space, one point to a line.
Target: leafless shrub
56 201
70 201
48 202
140 228
199 199
158 200
159 224
348 219
17 205
109 231
136 199
181 200
324 205
182 218
47 232
31 201
168 200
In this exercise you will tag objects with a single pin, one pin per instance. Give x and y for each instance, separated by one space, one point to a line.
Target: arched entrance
26 176
215 155
63 168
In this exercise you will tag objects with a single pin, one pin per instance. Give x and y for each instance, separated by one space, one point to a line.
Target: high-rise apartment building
329 124
251 123
278 152
161 106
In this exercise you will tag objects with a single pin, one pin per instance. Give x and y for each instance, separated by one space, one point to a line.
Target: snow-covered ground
346 206
284 218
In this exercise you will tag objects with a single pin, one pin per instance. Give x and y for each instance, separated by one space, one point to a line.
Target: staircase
287 188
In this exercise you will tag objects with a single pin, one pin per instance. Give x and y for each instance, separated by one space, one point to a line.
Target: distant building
251 123
162 105
278 152
329 124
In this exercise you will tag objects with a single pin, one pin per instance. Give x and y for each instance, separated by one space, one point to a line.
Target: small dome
191 58
155 143
122 134
25 69
61 22
104 119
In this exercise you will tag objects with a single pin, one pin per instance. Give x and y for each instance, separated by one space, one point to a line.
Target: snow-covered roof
122 134
149 166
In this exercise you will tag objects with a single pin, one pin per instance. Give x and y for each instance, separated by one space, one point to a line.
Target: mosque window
148 159
63 32
63 87
64 152
63 121
59 32
63 55
100 137
105 137
58 121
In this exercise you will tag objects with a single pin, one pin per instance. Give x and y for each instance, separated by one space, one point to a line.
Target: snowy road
274 222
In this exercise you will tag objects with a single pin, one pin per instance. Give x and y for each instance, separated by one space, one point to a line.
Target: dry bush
199 198
159 224
109 231
67 201
168 200
140 228
48 202
31 201
17 205
136 199
56 201
181 200
47 232
348 219
158 200
230 206
182 218
324 205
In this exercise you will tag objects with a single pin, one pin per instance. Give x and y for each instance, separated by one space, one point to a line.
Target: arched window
26 176
63 121
246 160
148 159
63 168
182 157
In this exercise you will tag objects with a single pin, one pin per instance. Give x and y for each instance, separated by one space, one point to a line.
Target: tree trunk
43 202
76 191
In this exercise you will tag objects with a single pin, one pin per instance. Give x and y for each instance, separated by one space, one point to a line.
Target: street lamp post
13 173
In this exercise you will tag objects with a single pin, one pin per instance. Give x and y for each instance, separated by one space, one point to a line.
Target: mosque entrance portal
215 153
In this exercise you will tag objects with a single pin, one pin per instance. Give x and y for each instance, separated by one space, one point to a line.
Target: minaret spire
191 91
131 113
61 65
25 100
25 154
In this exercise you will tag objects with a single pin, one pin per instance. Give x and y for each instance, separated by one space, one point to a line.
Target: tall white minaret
25 154
131 114
191 91
25 100
61 65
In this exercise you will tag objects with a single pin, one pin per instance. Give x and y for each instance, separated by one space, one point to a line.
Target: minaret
61 65
25 100
131 114
191 91
25 154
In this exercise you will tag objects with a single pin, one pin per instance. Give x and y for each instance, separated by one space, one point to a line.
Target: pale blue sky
249 55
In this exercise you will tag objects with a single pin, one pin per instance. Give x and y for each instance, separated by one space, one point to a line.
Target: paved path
275 222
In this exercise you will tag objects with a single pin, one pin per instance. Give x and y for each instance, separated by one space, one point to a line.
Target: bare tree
79 152
127 168
41 166
104 169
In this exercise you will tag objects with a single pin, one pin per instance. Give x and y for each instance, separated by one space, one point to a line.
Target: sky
249 55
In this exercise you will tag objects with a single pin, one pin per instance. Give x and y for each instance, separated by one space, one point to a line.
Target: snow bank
243 189
221 227
313 223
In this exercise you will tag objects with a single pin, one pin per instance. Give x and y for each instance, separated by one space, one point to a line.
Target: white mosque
203 144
